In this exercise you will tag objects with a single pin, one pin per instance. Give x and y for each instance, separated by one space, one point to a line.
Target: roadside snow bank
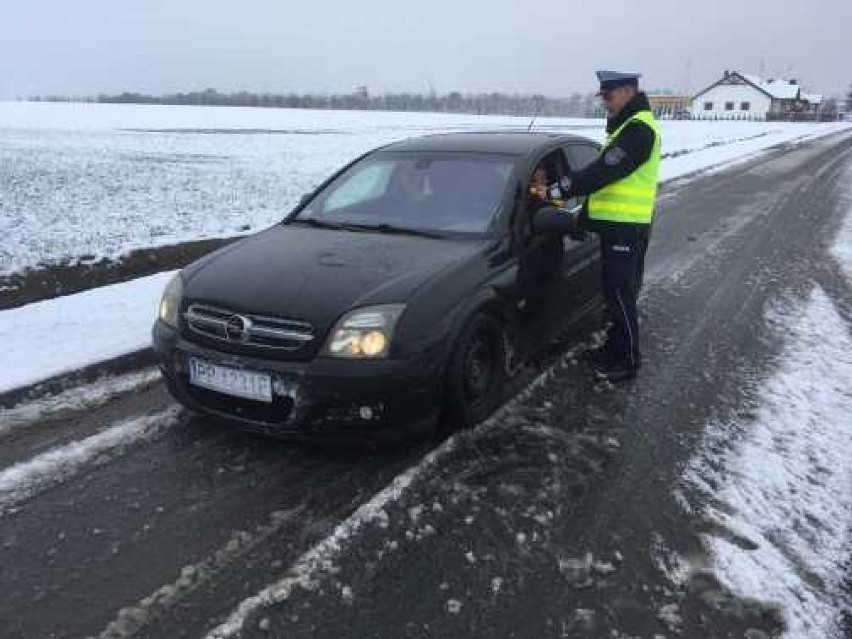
783 481
65 334
722 153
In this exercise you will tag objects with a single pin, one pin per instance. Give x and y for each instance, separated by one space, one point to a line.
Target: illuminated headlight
170 302
365 333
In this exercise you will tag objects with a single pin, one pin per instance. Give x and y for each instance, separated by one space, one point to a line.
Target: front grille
246 328
275 413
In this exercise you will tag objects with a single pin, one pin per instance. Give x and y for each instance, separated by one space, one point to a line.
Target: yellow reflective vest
630 200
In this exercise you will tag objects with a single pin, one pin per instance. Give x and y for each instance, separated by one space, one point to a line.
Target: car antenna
535 115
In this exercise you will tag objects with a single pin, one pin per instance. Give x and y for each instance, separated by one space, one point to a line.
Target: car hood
315 275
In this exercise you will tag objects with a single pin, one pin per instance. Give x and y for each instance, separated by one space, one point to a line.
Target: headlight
365 333
170 302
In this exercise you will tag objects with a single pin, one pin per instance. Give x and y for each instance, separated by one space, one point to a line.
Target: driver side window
580 156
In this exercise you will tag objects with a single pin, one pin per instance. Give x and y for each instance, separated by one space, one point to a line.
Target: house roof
780 89
812 98
776 89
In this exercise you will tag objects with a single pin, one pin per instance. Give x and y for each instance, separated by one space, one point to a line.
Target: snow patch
65 334
784 485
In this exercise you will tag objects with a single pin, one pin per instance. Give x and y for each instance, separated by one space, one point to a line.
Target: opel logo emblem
237 328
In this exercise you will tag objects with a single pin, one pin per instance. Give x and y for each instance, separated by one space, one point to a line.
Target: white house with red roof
741 96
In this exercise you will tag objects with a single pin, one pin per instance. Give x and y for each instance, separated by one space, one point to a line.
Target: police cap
614 79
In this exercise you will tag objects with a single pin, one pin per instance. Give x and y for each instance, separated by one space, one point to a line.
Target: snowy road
575 512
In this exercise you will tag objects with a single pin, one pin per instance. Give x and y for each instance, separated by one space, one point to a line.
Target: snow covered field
79 182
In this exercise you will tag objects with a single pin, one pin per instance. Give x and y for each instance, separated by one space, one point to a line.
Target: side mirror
550 220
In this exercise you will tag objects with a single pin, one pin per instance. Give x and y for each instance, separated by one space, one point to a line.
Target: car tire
477 371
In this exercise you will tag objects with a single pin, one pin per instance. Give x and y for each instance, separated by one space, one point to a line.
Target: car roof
502 142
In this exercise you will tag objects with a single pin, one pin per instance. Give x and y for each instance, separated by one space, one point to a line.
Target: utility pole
686 87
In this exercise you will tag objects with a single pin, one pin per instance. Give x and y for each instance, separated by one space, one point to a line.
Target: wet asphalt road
555 519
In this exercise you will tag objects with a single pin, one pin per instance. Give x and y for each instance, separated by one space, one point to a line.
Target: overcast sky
544 46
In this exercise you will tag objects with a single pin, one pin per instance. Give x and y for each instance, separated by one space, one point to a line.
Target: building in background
671 107
740 96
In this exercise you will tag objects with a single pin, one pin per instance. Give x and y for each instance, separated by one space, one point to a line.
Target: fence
824 116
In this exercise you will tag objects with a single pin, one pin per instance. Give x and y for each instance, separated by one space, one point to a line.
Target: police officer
621 185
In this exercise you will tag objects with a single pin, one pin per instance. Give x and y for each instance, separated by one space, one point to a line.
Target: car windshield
437 193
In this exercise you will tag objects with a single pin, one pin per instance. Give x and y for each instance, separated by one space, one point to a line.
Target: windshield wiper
396 230
362 228
319 224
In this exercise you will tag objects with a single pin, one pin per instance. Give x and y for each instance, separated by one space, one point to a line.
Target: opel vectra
399 292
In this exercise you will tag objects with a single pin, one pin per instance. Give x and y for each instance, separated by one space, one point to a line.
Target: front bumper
320 399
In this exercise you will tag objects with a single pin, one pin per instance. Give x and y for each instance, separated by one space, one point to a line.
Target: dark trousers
622 265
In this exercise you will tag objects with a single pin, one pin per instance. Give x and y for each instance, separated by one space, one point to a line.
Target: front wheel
477 371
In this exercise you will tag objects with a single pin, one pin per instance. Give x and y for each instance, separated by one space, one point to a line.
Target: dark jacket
619 159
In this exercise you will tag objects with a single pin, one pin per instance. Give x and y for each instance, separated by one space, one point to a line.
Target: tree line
495 103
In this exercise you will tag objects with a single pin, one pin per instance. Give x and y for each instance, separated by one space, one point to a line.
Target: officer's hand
575 227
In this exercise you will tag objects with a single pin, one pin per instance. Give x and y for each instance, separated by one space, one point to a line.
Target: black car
400 290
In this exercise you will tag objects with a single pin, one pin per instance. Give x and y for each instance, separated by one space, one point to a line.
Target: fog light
366 412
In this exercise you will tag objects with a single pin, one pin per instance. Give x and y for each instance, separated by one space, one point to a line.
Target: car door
549 297
581 264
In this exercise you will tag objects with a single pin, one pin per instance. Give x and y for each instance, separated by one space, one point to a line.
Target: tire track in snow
85 397
130 620
306 570
27 479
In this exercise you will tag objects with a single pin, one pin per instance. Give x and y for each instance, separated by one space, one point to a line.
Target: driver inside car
410 186
543 190
540 264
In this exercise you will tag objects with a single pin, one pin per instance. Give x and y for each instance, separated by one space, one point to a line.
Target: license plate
231 381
